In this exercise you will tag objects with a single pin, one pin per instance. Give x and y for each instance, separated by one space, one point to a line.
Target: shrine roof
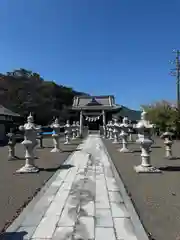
7 112
94 102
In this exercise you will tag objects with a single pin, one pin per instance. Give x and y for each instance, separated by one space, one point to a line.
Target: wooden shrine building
96 111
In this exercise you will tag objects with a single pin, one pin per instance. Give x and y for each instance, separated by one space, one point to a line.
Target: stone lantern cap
167 134
30 118
143 124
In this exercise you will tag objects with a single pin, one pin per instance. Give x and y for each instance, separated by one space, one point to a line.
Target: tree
24 91
163 114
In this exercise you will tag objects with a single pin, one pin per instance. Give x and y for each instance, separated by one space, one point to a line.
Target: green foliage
24 91
163 114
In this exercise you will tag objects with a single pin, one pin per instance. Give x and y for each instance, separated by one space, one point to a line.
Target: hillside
23 91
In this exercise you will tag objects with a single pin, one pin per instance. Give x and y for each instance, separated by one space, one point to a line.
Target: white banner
92 119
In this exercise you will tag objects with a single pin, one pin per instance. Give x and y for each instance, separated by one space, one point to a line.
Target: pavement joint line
139 229
18 221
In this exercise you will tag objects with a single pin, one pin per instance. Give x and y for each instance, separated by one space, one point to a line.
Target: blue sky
119 47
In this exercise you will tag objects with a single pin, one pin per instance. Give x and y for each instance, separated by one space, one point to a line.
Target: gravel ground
156 196
16 190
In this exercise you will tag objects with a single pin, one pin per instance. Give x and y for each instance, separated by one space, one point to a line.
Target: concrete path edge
139 229
17 222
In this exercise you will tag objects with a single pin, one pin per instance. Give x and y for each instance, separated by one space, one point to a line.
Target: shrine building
96 111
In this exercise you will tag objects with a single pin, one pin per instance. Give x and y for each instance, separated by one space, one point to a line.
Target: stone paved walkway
84 202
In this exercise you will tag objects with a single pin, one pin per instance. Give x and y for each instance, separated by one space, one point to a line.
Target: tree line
24 91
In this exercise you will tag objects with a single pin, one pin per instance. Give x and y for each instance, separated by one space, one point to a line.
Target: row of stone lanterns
119 131
144 129
31 130
69 130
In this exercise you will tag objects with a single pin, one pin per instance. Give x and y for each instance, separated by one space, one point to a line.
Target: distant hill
23 91
133 115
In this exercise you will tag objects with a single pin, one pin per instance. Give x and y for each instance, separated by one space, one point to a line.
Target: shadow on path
16 158
136 151
62 151
62 167
156 146
170 168
173 158
73 144
74 150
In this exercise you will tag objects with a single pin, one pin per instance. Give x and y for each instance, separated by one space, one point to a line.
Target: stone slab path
84 202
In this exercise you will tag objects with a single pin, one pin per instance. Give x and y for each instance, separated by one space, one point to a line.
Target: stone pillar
81 123
104 123
11 145
67 132
167 136
30 134
144 139
40 139
104 117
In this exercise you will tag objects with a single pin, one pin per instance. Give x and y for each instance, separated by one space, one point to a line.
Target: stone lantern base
73 135
67 141
28 169
146 169
168 150
116 141
130 137
55 150
10 158
124 150
170 157
11 152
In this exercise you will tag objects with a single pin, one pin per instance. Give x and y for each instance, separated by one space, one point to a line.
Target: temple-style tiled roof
94 102
7 112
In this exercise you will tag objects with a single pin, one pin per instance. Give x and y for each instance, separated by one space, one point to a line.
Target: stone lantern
107 130
144 129
167 136
130 131
77 129
30 141
40 138
67 132
124 126
104 130
110 130
56 135
116 130
73 127
11 145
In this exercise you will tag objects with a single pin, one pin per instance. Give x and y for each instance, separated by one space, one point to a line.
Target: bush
164 115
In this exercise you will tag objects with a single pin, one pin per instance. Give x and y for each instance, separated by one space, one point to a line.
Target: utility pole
176 72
